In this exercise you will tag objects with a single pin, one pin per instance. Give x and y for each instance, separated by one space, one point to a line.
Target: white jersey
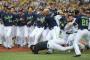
72 28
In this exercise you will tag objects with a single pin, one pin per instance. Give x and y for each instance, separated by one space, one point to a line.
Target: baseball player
1 27
30 24
61 21
71 29
8 19
55 44
39 26
54 29
22 30
46 28
83 22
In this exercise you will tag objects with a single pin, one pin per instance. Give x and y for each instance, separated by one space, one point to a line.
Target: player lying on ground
51 44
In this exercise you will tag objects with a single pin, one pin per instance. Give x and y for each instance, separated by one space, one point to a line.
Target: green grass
42 56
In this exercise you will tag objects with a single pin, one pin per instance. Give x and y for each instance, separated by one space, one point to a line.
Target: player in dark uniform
39 24
8 19
39 46
53 32
1 27
55 44
52 25
21 29
83 23
30 23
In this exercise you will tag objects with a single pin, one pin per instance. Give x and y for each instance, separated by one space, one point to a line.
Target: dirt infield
14 49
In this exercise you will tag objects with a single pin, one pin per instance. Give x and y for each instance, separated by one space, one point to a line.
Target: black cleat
33 49
77 55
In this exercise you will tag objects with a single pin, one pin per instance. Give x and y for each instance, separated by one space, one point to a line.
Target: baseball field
43 56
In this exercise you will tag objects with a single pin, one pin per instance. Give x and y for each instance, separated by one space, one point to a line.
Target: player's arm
69 25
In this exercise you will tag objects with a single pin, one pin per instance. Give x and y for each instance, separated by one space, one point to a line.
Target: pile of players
68 32
45 28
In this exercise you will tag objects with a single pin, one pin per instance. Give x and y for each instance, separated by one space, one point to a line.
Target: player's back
82 21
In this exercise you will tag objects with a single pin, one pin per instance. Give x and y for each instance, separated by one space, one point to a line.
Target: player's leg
14 34
63 34
76 44
78 36
1 33
70 39
38 35
44 34
21 36
32 36
88 38
17 36
4 35
33 32
55 32
4 42
49 36
59 47
77 49
25 35
30 40
56 42
8 37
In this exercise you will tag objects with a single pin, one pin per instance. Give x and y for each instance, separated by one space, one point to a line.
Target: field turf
42 56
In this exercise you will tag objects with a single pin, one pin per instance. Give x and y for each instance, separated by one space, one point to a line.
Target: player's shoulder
58 17
84 17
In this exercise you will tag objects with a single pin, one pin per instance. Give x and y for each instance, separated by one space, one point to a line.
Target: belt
70 33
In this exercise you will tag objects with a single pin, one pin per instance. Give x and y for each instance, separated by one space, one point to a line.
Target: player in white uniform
30 24
22 30
82 33
55 44
8 19
53 26
46 28
1 32
39 24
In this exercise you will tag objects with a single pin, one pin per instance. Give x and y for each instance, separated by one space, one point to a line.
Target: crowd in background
63 7
58 4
